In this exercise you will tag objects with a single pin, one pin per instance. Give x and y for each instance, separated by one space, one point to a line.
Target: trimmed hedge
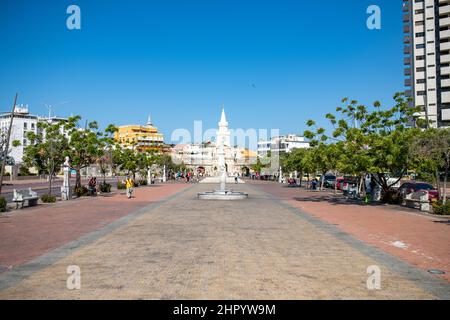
440 208
105 187
81 191
3 204
48 198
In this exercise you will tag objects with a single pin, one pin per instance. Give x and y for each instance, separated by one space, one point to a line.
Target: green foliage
430 154
48 198
80 191
46 149
86 145
440 208
391 197
258 166
366 140
143 182
105 187
3 204
120 185
24 171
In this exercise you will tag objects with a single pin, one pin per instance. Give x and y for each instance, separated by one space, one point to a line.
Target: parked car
329 181
409 187
345 180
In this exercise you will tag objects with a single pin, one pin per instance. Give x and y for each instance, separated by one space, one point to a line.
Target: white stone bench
418 200
28 195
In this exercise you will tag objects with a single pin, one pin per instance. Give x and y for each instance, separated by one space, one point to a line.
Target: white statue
66 193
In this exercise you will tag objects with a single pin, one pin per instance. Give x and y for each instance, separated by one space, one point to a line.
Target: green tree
129 162
85 145
145 162
294 161
258 166
46 149
106 161
373 140
430 152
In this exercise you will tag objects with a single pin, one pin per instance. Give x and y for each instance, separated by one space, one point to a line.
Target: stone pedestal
66 192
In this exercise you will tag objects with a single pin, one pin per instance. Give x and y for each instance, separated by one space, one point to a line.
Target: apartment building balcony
407 50
445 83
445 58
445 97
405 7
445 46
420 100
444 22
407 28
406 17
408 93
408 82
445 34
445 71
407 61
407 72
444 10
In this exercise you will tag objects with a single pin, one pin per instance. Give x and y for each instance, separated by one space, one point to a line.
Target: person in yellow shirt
129 184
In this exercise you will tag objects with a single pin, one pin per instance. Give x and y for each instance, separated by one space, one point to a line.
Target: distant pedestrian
92 186
314 183
129 184
236 178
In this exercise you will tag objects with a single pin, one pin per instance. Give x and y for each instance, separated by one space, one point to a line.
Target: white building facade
203 157
23 123
281 144
427 57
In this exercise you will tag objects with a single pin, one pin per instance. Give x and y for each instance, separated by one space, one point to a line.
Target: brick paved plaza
281 243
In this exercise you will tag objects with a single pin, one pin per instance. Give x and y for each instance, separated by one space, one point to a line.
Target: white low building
281 144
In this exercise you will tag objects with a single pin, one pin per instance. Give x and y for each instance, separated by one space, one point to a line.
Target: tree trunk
301 178
335 182
444 198
361 183
78 178
438 184
50 183
322 182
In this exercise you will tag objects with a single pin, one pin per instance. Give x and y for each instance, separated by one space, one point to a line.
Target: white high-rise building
427 57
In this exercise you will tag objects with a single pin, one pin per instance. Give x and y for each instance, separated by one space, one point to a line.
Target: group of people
92 186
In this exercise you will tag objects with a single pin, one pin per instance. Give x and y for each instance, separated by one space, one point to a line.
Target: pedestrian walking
129 184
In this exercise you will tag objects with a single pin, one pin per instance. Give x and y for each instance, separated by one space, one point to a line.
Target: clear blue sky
273 64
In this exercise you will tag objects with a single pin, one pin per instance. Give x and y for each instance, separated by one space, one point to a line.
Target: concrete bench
418 200
28 195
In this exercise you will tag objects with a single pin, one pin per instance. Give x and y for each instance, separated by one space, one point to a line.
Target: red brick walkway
426 239
31 232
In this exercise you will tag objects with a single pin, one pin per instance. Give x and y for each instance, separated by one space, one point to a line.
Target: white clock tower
223 134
